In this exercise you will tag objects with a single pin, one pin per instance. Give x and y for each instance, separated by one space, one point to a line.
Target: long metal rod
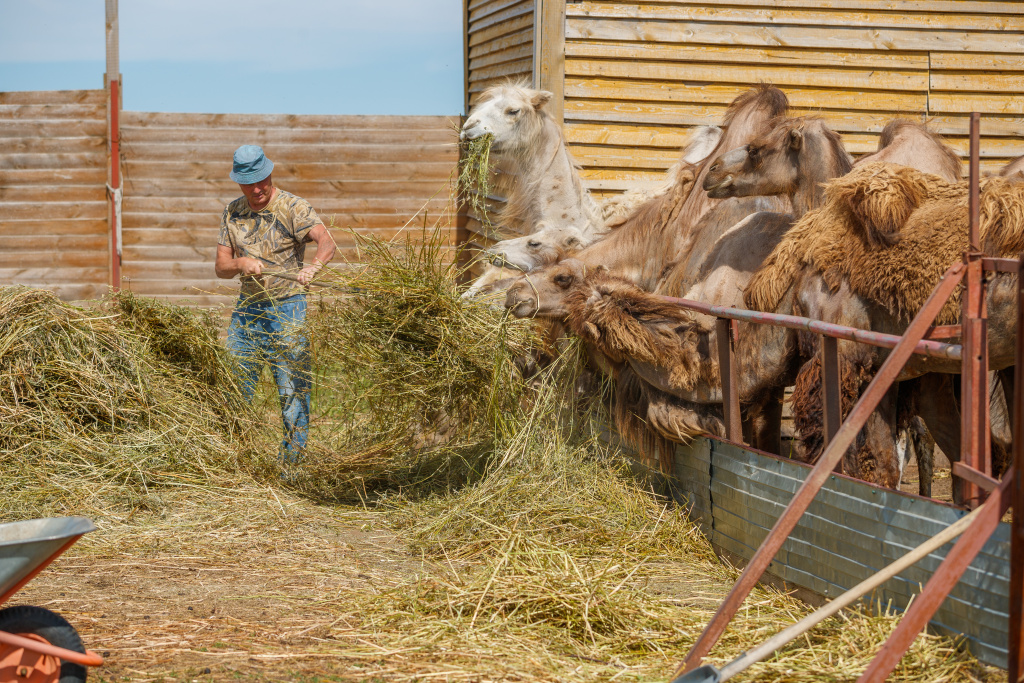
849 597
113 85
869 400
924 606
727 370
1015 645
886 341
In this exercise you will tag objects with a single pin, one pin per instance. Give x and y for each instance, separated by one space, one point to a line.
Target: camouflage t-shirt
277 235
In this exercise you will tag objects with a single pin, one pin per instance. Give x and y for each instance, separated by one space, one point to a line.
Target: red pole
1015 648
975 439
115 184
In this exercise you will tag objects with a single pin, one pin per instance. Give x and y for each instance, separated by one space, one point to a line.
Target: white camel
546 201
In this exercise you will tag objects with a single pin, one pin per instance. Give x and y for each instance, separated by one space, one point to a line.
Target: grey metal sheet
851 531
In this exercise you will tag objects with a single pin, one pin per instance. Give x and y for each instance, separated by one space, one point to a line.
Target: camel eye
571 241
513 112
563 280
533 244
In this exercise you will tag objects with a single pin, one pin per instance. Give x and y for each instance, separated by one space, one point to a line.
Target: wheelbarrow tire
52 627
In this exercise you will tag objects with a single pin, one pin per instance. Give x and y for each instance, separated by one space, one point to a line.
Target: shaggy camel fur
890 232
880 244
661 229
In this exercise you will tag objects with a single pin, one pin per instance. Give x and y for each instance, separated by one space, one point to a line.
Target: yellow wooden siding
639 74
370 174
53 203
499 43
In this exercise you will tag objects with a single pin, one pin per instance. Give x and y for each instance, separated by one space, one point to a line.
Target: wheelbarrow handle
90 658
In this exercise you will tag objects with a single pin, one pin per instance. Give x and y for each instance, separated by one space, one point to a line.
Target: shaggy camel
662 228
531 168
792 159
768 358
871 256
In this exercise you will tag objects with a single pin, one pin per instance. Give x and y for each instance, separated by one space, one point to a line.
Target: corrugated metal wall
53 205
849 532
637 74
499 43
370 173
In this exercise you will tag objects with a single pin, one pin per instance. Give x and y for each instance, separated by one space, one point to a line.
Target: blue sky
257 56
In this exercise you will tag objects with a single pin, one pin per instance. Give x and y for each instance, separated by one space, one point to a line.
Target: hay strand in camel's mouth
474 179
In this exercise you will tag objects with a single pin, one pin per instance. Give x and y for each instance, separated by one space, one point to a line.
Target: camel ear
601 268
540 98
796 140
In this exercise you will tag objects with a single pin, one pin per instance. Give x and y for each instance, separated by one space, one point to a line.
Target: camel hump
881 198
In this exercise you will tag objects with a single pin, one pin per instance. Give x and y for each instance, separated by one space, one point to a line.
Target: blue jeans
271 332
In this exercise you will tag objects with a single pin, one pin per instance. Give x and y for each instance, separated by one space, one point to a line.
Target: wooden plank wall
53 202
639 73
500 43
368 173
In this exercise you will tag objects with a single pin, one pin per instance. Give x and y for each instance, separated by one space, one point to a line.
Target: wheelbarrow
36 645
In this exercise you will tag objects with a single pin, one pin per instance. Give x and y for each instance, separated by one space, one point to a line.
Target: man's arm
325 249
227 266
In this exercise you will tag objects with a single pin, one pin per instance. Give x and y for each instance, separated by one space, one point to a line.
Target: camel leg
874 458
924 451
769 432
938 407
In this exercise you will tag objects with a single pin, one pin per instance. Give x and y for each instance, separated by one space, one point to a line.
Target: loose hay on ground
549 563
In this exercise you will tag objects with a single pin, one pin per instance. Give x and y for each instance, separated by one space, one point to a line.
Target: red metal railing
973 472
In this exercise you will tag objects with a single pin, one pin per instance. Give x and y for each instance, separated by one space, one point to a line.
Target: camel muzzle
499 260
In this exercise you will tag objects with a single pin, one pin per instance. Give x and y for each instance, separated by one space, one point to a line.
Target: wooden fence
499 43
370 174
53 206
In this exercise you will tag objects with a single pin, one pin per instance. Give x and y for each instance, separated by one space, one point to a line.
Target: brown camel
792 159
663 228
871 256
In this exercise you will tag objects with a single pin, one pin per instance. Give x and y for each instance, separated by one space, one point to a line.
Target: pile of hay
413 382
105 404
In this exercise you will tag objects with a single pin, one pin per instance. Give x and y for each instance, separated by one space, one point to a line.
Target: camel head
541 294
769 164
513 114
546 246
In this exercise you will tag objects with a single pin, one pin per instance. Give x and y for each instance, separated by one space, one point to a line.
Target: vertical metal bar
975 436
869 400
727 371
974 179
1016 630
113 78
945 577
830 384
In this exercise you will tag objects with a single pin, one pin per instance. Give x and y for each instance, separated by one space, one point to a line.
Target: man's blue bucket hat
251 165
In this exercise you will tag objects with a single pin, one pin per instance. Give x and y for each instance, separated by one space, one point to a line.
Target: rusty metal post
831 381
725 331
1015 647
945 577
113 78
820 473
975 439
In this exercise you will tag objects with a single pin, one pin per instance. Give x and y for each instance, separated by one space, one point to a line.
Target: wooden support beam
549 53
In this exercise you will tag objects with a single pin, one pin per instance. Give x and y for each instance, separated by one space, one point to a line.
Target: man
268 229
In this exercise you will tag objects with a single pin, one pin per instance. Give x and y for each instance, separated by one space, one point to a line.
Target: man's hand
307 274
249 266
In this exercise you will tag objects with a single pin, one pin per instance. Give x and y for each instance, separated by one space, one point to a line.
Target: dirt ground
245 603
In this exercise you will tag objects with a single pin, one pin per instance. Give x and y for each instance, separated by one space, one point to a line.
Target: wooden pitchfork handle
748 659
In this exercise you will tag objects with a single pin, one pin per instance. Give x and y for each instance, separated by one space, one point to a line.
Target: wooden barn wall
638 74
370 174
499 43
53 202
